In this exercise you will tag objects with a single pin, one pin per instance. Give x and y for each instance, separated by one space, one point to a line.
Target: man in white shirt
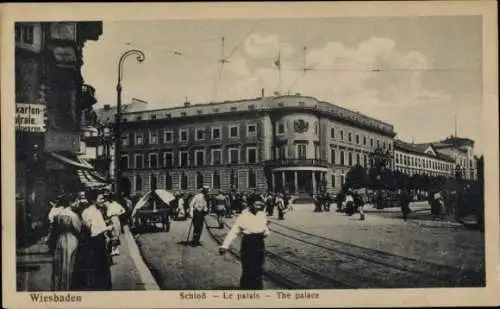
252 225
198 208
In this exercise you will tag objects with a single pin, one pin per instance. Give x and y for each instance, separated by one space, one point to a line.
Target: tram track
427 274
284 271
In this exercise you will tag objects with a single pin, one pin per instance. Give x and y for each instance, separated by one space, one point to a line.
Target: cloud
265 46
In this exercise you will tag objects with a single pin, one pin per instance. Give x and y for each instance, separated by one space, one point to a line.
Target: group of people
83 238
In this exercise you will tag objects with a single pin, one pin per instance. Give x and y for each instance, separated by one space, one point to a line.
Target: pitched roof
420 149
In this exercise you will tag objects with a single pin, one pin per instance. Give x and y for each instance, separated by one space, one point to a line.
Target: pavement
177 266
128 272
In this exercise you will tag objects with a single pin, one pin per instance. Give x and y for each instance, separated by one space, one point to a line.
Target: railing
298 162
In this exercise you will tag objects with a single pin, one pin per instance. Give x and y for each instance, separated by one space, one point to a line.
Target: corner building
294 143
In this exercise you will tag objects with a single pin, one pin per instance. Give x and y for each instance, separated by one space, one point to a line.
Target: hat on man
205 189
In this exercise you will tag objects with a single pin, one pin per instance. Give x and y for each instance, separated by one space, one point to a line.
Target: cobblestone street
328 250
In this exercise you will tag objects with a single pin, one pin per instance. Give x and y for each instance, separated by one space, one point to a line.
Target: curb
147 278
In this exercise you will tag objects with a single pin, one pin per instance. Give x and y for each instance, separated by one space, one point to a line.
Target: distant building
293 142
413 159
442 158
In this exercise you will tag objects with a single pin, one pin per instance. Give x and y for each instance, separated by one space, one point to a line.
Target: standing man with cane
252 224
198 208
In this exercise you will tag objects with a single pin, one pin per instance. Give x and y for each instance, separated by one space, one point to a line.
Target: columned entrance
297 180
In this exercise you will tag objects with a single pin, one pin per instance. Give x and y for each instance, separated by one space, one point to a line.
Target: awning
87 174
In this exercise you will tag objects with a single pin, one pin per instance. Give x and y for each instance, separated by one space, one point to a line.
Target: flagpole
277 63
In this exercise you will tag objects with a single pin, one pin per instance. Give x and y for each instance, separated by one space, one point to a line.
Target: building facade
293 142
413 159
50 96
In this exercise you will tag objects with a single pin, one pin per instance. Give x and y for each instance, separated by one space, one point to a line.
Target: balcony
297 162
87 96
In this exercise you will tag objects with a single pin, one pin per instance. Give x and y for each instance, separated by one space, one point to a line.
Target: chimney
106 107
262 92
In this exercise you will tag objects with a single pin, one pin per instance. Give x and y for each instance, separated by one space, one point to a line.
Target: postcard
226 155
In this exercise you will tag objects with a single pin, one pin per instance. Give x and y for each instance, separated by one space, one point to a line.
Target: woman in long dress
93 262
66 230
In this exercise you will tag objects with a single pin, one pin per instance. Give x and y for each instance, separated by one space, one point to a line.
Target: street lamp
140 58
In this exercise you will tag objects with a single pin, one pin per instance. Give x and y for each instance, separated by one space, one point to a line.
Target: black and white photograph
249 155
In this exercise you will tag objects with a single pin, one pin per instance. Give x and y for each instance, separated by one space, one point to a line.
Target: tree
356 178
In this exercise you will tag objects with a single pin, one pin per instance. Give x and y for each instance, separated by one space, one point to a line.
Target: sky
416 73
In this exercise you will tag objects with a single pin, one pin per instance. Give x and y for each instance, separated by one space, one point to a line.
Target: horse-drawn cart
152 209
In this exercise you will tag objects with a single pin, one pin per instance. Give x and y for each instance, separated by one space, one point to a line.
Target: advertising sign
30 117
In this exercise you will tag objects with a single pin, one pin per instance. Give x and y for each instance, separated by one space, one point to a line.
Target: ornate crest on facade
301 126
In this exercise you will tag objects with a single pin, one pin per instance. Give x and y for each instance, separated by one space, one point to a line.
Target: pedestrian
349 201
359 204
198 208
327 201
220 208
92 263
317 203
66 230
112 212
405 203
252 225
270 203
439 201
280 205
228 211
340 200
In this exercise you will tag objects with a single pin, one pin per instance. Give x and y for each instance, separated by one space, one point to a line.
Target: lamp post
140 58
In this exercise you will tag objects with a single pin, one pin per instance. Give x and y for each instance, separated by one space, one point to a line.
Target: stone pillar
283 180
273 182
296 182
313 182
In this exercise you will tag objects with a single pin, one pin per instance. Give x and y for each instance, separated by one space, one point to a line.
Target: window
384 145
342 180
234 131
125 139
153 160
342 159
216 157
234 156
216 180
152 182
184 181
183 135
168 181
252 155
301 151
357 139
378 143
139 138
281 152
139 161
153 137
199 157
341 135
358 161
389 146
349 137
199 180
168 159
332 132
184 159
316 128
124 162
138 183
364 140
169 136
371 142
333 181
28 34
281 128
251 130
397 158
349 158
365 161
200 134
333 153
252 179
216 133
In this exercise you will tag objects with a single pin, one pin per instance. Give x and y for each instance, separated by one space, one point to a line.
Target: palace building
290 142
443 158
